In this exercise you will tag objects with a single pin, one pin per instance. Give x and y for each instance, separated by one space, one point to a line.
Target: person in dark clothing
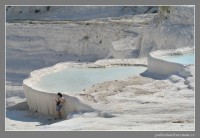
59 104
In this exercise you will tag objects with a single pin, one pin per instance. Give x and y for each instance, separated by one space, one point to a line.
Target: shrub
86 37
30 22
162 15
48 7
144 23
165 9
37 10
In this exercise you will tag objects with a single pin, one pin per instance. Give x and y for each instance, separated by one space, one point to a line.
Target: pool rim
37 74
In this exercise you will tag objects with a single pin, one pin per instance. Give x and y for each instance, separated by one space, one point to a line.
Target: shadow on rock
20 107
105 115
21 112
154 76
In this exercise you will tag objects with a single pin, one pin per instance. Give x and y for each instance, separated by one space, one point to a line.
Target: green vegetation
100 41
164 9
163 14
48 7
144 23
31 22
37 10
86 37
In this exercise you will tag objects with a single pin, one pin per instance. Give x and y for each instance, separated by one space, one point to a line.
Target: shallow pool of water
183 59
77 79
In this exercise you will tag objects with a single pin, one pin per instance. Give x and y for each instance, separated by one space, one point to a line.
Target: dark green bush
164 9
86 37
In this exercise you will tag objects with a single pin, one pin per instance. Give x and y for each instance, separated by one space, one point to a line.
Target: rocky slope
73 12
172 28
138 103
35 44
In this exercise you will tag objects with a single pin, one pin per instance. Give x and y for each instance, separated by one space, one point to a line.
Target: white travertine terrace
92 39
163 67
44 102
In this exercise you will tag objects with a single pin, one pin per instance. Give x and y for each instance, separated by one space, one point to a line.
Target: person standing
59 104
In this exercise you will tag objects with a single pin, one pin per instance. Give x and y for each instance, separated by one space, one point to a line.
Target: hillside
73 12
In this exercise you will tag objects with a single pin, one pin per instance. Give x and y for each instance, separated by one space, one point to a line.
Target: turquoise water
183 59
77 79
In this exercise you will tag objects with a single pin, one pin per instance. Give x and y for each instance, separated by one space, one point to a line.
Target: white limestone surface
162 67
171 30
139 103
44 102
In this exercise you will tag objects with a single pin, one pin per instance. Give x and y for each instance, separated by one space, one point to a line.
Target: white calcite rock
176 79
133 104
162 67
45 104
185 72
175 31
73 12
